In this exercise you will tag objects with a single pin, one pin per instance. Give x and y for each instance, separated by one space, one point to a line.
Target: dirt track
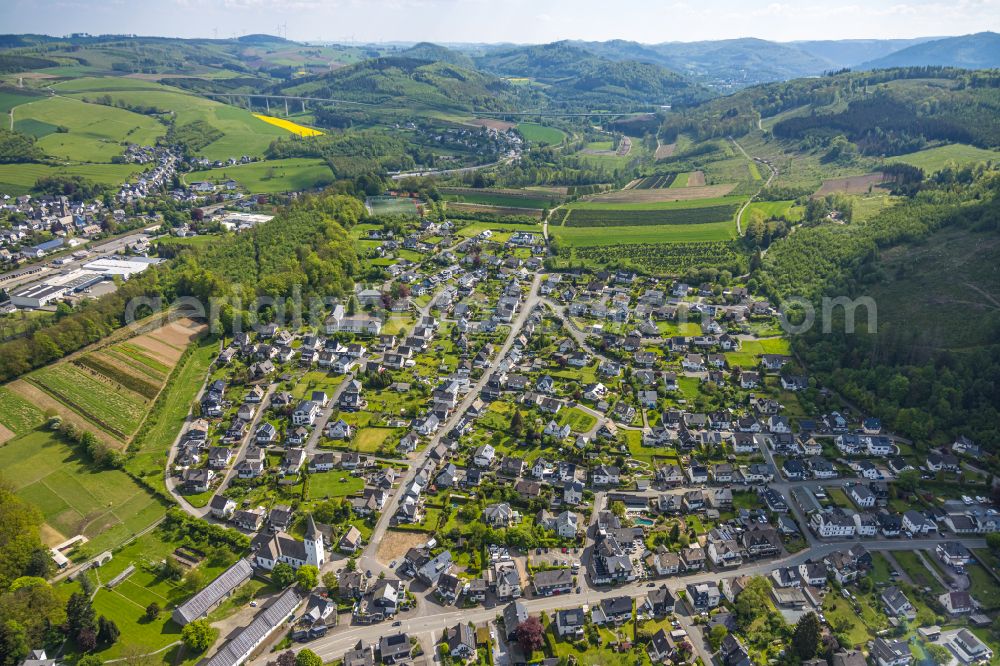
665 151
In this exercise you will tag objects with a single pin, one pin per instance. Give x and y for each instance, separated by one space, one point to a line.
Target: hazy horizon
520 22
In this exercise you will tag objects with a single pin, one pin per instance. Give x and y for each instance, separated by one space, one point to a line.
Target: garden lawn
126 603
370 440
577 419
916 570
880 569
985 588
333 484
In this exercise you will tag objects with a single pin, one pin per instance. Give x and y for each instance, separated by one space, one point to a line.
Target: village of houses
612 456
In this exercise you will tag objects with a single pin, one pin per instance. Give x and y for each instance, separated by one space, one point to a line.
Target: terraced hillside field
108 391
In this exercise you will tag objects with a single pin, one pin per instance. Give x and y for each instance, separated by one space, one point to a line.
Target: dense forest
306 247
409 82
349 155
930 397
949 97
884 125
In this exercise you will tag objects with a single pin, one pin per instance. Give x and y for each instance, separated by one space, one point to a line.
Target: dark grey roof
198 605
237 649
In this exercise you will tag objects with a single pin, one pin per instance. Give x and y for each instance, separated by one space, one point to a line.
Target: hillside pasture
850 184
21 178
932 160
272 176
10 99
93 132
540 134
73 496
243 134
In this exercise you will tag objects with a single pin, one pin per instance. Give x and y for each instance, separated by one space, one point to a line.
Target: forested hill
435 53
409 82
978 51
306 245
924 389
886 112
575 75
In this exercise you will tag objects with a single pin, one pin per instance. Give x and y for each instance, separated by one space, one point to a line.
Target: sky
518 21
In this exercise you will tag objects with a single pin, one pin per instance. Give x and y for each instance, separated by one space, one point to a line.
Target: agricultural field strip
618 218
664 195
115 409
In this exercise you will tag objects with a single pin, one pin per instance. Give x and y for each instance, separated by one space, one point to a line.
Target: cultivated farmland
500 198
653 182
100 400
651 233
294 128
850 184
586 217
935 159
18 415
111 388
663 193
669 258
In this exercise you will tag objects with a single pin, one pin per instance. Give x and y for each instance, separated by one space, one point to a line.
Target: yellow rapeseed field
294 128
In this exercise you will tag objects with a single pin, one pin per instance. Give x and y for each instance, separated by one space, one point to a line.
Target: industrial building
56 287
